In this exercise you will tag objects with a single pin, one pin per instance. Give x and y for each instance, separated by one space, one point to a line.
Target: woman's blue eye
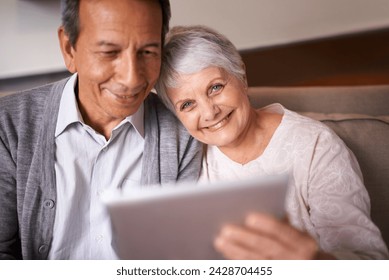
185 105
216 87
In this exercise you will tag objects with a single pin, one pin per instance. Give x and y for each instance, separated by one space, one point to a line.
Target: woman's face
212 105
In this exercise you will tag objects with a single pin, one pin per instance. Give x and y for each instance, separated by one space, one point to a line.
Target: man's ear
67 50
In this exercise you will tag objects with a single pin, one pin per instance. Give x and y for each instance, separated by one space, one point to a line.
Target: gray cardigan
27 176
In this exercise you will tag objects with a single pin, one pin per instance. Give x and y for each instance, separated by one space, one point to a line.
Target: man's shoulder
155 106
29 105
159 117
155 102
30 97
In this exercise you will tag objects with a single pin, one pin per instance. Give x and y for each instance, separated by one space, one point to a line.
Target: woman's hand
265 237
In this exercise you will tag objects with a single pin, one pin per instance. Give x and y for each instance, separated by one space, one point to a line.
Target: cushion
369 100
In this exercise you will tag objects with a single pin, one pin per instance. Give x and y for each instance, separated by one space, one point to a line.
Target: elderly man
63 144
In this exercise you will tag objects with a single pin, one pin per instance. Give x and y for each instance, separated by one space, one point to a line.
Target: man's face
117 56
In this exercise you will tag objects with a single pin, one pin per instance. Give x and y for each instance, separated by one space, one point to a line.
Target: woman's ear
67 50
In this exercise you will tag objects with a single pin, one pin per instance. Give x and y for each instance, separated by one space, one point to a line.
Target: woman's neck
254 139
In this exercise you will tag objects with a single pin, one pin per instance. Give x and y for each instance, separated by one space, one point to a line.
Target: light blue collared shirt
86 165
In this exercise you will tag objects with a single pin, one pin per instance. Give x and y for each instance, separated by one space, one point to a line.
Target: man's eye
110 53
148 53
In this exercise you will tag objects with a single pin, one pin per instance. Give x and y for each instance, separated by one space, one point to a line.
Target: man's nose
130 72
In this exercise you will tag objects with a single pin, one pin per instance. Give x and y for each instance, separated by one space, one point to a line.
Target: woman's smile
219 124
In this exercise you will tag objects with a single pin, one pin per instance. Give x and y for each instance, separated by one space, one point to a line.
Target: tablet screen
180 221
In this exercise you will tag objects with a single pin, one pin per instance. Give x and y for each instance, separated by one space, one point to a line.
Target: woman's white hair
190 49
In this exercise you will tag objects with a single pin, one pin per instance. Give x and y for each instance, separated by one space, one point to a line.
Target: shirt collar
69 112
137 120
68 108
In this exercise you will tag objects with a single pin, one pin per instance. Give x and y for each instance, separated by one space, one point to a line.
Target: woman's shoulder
301 128
296 120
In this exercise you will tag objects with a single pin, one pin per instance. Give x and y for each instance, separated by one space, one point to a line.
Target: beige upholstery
360 116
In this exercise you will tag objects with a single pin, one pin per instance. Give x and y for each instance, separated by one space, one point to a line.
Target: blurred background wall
29 46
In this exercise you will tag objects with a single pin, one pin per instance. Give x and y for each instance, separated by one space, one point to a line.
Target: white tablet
180 221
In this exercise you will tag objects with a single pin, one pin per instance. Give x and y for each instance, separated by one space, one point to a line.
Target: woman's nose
210 110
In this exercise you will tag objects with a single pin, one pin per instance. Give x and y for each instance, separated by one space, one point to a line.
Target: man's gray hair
190 49
70 11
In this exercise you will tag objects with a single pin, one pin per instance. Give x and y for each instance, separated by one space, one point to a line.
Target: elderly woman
203 82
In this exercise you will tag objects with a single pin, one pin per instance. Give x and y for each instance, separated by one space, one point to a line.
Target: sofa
360 117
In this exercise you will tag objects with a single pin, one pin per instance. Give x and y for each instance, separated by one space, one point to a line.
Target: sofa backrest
360 117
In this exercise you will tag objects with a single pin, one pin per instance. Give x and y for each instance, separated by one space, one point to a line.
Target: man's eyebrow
110 44
106 43
152 45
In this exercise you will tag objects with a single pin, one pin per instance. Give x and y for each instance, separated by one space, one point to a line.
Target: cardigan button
48 204
43 249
